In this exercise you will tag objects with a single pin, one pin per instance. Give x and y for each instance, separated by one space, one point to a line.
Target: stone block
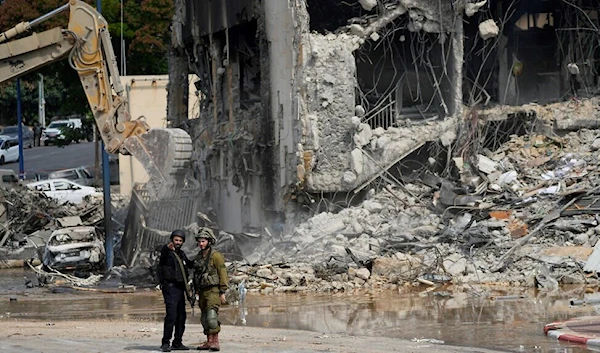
357 161
363 273
396 267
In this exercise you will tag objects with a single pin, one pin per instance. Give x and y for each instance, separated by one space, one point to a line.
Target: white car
54 132
64 190
9 151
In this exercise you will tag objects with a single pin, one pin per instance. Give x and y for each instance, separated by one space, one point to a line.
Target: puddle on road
512 321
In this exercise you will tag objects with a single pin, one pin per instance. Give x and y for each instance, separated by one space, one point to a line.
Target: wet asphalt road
50 158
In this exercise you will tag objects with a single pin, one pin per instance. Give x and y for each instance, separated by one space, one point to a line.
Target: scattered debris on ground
49 236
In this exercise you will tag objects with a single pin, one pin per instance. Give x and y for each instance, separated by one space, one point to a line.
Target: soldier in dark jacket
172 273
37 134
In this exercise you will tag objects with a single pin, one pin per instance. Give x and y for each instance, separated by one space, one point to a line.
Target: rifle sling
188 290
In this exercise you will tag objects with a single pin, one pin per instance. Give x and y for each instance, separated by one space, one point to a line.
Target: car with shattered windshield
75 248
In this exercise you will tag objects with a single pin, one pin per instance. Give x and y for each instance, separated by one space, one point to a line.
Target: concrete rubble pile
522 215
336 95
29 218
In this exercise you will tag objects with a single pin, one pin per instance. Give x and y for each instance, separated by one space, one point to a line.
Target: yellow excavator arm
164 153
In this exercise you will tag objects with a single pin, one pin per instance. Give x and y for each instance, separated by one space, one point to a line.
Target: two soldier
210 282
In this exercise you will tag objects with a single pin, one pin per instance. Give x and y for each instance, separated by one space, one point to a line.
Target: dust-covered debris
523 214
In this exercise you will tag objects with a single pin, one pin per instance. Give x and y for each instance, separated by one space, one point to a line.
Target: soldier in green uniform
210 282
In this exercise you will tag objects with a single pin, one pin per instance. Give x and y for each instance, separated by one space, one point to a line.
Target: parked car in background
9 151
79 175
74 248
12 133
64 190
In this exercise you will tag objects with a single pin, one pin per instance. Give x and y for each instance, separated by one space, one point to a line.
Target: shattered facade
309 100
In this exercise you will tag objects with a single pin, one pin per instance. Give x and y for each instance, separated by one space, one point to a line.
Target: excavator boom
164 153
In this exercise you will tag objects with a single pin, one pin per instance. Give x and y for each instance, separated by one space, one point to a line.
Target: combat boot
180 347
206 345
215 343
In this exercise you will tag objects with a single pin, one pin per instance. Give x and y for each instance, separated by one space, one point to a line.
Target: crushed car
74 248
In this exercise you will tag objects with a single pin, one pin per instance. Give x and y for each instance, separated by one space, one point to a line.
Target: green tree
150 45
145 29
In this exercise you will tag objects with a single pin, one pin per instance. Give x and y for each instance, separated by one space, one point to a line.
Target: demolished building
304 103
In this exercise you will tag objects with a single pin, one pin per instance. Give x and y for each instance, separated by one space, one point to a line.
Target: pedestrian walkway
583 330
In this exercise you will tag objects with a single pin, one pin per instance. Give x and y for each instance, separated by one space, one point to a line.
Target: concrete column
456 69
177 88
280 32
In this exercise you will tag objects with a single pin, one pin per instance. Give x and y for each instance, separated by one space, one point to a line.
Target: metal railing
149 221
384 114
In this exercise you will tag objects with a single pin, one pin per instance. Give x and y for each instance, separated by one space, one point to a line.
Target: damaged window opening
495 133
230 65
538 51
424 166
534 58
330 15
398 76
248 53
535 20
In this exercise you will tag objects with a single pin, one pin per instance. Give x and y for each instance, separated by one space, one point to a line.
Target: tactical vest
205 273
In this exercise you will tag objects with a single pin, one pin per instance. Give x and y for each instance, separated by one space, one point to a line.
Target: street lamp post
108 237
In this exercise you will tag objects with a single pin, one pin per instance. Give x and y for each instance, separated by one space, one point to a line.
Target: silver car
79 175
12 133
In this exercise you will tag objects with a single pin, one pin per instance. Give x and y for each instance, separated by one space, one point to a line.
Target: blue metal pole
108 237
20 131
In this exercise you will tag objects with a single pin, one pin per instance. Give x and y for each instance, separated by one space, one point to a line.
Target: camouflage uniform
210 282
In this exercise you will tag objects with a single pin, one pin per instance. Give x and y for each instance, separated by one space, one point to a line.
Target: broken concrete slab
472 8
368 4
71 221
558 255
593 261
488 29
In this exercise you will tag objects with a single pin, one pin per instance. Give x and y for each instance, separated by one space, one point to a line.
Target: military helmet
206 233
178 233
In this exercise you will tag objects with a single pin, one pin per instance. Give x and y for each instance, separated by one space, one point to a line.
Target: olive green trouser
209 302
